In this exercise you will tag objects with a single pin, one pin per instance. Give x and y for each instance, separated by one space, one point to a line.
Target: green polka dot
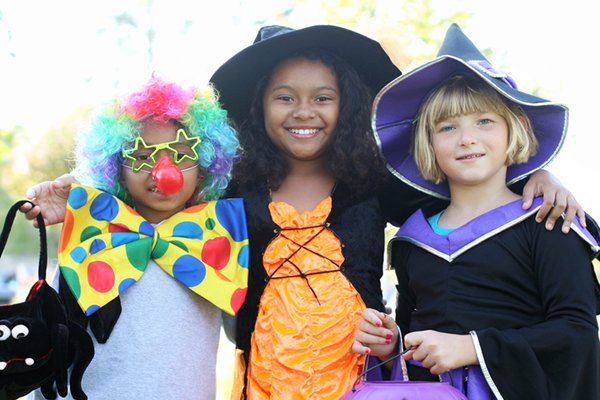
210 224
160 249
138 253
72 279
179 244
89 232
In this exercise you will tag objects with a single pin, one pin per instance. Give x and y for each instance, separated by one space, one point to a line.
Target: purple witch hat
397 104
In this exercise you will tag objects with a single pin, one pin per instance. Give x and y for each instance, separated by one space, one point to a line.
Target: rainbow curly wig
98 151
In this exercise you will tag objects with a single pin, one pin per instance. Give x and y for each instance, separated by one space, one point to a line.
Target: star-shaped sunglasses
142 157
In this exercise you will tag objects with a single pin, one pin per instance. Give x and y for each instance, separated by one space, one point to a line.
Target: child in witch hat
309 176
487 298
309 173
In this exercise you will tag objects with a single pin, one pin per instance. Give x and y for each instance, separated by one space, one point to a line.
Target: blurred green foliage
6 139
25 163
24 238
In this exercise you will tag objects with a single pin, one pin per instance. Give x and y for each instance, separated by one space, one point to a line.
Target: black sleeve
405 302
560 354
592 227
399 201
518 186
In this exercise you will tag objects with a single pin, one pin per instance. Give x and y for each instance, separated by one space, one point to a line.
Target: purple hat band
398 103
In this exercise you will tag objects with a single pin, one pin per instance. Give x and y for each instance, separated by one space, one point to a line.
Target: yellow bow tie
105 247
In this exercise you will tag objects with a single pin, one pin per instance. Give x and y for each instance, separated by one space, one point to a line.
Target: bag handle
10 217
395 373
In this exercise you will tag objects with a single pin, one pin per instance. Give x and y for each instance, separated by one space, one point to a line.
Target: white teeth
304 131
471 156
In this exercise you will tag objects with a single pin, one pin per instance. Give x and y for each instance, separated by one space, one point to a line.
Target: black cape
527 294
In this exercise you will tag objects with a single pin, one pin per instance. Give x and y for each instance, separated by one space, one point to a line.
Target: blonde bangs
462 95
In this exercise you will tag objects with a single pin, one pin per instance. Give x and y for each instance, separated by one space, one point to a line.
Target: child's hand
440 352
50 198
376 334
557 199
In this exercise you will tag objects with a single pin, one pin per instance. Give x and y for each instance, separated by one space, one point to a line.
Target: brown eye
181 151
179 157
141 156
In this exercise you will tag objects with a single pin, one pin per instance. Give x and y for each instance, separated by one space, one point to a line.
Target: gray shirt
164 345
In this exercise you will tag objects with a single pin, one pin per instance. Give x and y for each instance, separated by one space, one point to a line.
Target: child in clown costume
314 216
148 255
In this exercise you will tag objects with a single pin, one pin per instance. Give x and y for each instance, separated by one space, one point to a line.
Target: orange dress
301 347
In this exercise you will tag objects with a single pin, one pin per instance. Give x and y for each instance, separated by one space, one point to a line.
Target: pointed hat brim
397 104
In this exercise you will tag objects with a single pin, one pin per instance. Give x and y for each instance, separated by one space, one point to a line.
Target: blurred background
59 59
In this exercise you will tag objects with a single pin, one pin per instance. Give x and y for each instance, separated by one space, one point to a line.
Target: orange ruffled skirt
302 343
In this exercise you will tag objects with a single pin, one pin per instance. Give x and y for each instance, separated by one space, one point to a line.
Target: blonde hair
461 95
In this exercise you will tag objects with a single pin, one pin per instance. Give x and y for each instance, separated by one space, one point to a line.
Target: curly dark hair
354 157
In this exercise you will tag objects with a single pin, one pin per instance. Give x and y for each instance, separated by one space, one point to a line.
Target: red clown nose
167 176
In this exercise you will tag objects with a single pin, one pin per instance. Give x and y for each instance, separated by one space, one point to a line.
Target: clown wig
99 149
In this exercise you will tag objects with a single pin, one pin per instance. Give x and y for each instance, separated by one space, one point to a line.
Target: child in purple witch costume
486 298
304 162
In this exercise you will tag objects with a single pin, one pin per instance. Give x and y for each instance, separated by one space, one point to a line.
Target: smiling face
149 202
301 107
472 149
469 96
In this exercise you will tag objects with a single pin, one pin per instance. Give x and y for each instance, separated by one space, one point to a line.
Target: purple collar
417 230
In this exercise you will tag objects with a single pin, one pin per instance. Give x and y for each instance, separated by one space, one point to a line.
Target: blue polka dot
78 254
230 214
244 256
97 245
146 228
77 198
189 270
121 238
104 207
125 283
92 309
188 230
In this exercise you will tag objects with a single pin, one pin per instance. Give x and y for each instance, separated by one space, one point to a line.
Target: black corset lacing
301 274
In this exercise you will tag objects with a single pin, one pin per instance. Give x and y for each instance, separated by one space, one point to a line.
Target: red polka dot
67 230
195 208
130 210
118 228
101 276
216 252
222 277
237 299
